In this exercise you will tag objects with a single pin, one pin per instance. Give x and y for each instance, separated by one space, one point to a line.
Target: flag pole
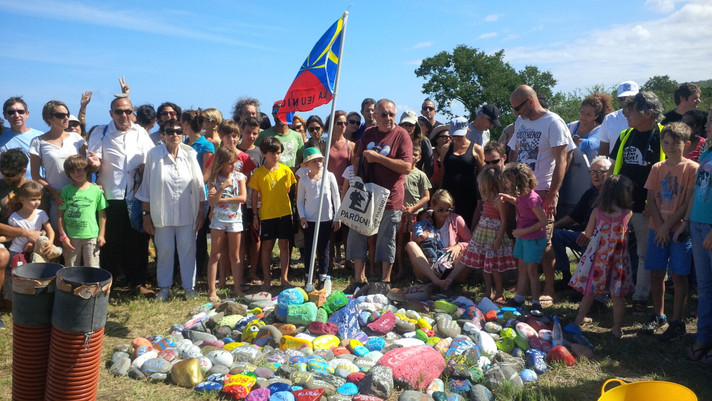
324 171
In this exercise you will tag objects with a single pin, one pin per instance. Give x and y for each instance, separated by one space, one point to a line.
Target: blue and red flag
314 84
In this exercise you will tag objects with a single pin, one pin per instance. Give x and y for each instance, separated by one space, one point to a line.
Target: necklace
272 179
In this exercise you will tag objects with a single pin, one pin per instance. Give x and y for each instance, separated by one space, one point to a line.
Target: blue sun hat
311 154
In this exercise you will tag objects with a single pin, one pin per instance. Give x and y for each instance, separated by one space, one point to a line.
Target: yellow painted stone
423 324
186 373
353 343
231 346
326 341
289 342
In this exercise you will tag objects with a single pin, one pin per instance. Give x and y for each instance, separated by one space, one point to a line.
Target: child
530 234
82 216
427 236
670 186
28 216
605 265
226 193
249 131
490 247
271 183
308 206
417 194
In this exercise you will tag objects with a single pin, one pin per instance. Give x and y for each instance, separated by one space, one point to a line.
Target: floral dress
228 212
605 265
479 252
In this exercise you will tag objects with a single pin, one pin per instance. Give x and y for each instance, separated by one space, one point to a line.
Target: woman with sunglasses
315 128
441 143
173 196
211 120
354 122
454 236
409 121
50 150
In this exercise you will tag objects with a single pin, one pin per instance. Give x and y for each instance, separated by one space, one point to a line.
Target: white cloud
663 6
492 17
131 20
487 35
673 45
422 45
414 62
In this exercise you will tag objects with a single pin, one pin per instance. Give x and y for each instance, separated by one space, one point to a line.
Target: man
292 140
245 108
368 106
495 155
486 118
687 97
615 121
19 135
385 153
428 110
120 149
634 154
13 164
541 140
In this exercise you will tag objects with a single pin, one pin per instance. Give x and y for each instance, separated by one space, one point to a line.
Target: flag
314 84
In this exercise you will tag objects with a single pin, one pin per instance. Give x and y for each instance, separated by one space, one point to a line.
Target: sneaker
163 294
655 322
536 306
675 330
190 294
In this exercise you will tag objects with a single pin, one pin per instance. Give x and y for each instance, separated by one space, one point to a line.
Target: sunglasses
341 123
173 131
9 175
168 113
60 116
314 129
125 111
516 108
446 137
428 108
354 122
496 161
12 112
387 114
74 124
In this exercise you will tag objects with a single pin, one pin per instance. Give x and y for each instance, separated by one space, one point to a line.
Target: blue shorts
530 250
677 254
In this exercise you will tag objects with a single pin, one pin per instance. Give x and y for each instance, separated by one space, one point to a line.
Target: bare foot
444 284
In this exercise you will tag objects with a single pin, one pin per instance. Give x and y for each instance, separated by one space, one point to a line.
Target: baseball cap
409 116
72 117
458 126
492 112
628 88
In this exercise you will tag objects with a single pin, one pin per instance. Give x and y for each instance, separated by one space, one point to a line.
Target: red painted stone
560 354
340 350
417 366
320 328
355 377
383 324
491 316
363 397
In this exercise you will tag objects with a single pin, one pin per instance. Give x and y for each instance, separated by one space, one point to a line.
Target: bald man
540 140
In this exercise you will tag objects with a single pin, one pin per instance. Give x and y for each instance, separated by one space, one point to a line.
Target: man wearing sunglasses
428 110
118 152
541 140
383 156
19 135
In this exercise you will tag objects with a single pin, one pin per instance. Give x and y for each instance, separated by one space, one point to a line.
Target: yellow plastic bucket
646 391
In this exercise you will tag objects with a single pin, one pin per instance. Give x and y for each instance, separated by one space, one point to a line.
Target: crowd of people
624 190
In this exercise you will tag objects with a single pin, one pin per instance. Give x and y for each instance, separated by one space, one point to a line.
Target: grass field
633 358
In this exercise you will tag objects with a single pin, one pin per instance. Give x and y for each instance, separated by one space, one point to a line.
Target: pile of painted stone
314 346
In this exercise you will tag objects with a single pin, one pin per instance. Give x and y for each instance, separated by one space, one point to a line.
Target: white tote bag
363 206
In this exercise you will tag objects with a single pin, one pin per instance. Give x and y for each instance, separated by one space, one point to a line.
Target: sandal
546 301
695 353
214 299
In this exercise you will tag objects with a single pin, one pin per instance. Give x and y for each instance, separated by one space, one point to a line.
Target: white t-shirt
121 153
15 220
52 157
533 141
348 173
611 127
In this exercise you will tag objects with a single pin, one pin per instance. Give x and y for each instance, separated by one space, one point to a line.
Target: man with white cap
486 118
615 122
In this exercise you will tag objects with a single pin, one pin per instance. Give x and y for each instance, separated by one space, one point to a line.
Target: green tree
474 78
664 88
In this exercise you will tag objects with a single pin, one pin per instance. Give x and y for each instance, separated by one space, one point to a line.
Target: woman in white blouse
50 150
173 199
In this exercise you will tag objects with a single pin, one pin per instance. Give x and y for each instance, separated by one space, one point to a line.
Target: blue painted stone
375 343
360 350
536 360
278 387
282 396
208 386
346 319
460 386
217 378
460 345
298 359
364 318
348 389
528 375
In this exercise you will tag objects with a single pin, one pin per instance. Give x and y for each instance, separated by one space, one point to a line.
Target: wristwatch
145 212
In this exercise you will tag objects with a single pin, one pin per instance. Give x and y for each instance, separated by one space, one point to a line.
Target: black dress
460 179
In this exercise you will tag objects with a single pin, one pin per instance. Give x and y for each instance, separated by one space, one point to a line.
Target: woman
340 153
50 150
454 236
191 121
461 164
173 196
212 118
409 121
315 126
696 119
441 143
299 125
585 131
354 122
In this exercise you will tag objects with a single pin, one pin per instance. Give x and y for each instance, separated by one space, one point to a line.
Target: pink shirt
525 214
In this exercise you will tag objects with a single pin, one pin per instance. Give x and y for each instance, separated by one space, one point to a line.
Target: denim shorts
677 254
357 244
529 250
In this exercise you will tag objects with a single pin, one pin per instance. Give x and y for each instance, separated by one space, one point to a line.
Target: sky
211 53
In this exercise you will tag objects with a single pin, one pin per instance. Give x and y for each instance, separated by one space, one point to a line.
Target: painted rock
320 328
346 319
378 382
326 341
414 366
186 373
383 324
560 354
155 365
347 389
